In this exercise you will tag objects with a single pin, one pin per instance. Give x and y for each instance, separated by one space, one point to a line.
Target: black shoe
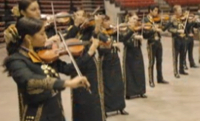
194 66
123 112
163 82
128 97
177 75
183 72
143 96
106 115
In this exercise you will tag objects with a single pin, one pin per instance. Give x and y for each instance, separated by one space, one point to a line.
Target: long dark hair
25 26
152 7
23 5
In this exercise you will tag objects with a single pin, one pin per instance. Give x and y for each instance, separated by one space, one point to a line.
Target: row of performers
37 78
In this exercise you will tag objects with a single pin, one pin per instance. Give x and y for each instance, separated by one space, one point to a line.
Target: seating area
183 2
64 5
133 3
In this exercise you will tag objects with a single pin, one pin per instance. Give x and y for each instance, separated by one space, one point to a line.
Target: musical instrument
90 19
53 51
119 27
138 26
147 26
90 22
61 18
164 17
109 31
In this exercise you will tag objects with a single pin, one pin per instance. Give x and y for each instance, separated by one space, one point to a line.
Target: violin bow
72 58
117 28
142 24
53 12
186 20
94 12
161 19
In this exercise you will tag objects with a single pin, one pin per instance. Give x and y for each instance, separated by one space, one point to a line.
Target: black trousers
179 51
189 50
155 51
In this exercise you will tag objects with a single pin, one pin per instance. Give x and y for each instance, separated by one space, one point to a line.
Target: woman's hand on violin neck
79 81
95 42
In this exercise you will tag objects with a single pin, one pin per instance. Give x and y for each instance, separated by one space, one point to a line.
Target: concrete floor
178 101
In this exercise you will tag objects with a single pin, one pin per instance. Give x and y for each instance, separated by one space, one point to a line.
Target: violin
61 18
109 31
184 16
156 19
165 17
90 22
53 51
147 26
159 18
138 26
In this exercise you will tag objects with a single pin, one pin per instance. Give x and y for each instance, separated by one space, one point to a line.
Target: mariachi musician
110 67
189 31
177 28
155 49
133 63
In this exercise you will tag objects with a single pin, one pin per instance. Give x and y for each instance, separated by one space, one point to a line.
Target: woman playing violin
39 85
133 64
111 68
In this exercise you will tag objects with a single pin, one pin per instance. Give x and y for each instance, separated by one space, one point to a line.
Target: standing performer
177 29
133 64
112 74
86 106
38 82
191 24
155 49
